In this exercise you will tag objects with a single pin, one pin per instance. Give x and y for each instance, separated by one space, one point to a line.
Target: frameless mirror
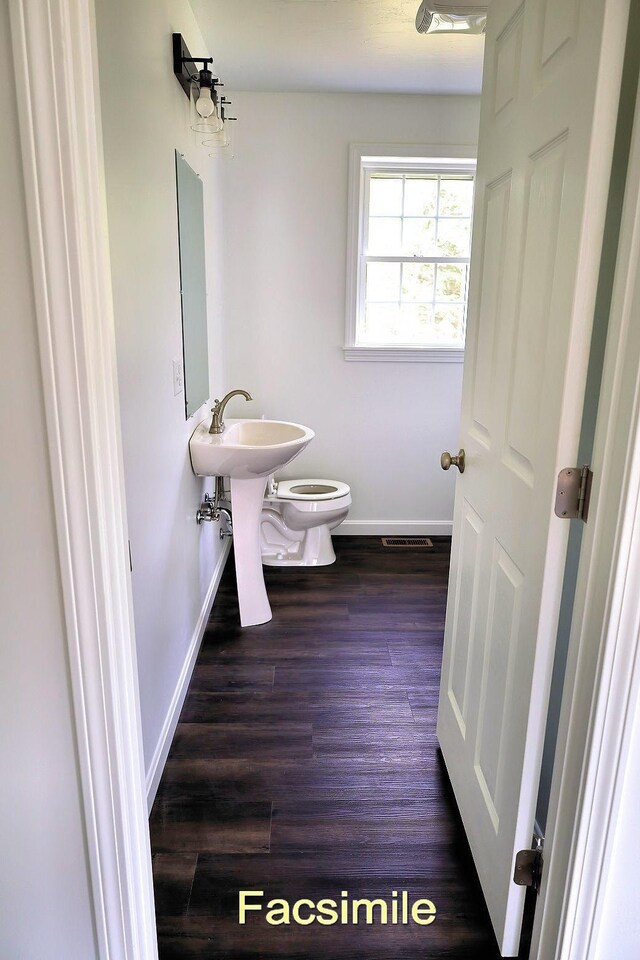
193 288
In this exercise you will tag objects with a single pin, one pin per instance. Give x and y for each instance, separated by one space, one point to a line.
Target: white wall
379 426
145 118
45 906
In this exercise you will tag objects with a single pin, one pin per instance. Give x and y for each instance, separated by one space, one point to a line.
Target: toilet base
313 549
276 561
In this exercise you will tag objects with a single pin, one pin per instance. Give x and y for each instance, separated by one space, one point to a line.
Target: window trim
391 156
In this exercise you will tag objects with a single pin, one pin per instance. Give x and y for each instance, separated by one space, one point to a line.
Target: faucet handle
217 426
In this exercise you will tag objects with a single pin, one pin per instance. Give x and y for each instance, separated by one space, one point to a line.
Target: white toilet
297 519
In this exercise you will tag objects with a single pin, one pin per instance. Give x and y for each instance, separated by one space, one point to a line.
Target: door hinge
572 493
528 868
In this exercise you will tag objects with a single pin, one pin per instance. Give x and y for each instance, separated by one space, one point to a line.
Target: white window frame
364 157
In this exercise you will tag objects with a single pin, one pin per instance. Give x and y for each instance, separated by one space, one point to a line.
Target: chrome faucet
217 423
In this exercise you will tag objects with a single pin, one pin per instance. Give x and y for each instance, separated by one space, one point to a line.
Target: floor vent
406 542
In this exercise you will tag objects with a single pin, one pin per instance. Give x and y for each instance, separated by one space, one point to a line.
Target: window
410 239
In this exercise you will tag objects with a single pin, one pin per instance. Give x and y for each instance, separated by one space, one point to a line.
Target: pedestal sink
247 452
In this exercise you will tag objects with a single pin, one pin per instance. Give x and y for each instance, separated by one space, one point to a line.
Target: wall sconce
202 86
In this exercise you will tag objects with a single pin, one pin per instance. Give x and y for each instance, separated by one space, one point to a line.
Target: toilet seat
313 489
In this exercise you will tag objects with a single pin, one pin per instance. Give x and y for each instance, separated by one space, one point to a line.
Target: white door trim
55 61
604 655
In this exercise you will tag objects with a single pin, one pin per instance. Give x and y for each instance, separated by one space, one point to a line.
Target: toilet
297 519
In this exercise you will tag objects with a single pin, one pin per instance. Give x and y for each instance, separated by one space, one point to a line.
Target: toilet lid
311 489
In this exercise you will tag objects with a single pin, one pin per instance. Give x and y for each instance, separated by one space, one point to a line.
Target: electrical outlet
178 377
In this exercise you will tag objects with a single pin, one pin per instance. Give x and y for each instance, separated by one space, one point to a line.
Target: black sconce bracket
224 103
182 59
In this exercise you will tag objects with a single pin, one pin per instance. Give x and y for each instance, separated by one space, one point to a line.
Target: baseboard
394 528
171 721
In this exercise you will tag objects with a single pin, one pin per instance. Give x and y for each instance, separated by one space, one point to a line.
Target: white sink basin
247 448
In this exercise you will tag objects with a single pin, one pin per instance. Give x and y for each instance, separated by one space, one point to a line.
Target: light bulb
204 104
210 124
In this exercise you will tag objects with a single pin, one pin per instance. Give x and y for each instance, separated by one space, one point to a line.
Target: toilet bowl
297 519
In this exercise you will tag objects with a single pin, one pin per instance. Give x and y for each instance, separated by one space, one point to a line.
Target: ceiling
335 46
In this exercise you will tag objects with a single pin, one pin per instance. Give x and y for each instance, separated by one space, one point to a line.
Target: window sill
406 354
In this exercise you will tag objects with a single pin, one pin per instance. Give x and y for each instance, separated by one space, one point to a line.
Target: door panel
533 317
560 26
494 258
502 632
465 614
547 124
506 59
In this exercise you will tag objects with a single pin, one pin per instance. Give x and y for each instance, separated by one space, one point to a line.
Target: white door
551 85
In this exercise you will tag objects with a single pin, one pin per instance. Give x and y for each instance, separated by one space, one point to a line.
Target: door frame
62 160
65 189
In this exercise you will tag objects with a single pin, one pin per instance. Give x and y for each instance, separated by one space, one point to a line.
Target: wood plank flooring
305 763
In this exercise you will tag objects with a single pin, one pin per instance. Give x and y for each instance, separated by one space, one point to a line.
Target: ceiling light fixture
436 16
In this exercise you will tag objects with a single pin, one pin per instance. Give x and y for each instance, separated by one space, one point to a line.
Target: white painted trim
406 354
163 746
64 186
457 159
394 528
604 652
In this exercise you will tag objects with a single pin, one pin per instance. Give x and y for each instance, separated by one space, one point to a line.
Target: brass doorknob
446 460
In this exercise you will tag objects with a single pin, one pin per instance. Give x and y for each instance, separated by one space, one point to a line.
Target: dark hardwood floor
306 764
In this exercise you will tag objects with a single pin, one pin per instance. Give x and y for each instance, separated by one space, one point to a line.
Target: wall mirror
193 287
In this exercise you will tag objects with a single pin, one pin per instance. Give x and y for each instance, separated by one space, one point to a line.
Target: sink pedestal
247 497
